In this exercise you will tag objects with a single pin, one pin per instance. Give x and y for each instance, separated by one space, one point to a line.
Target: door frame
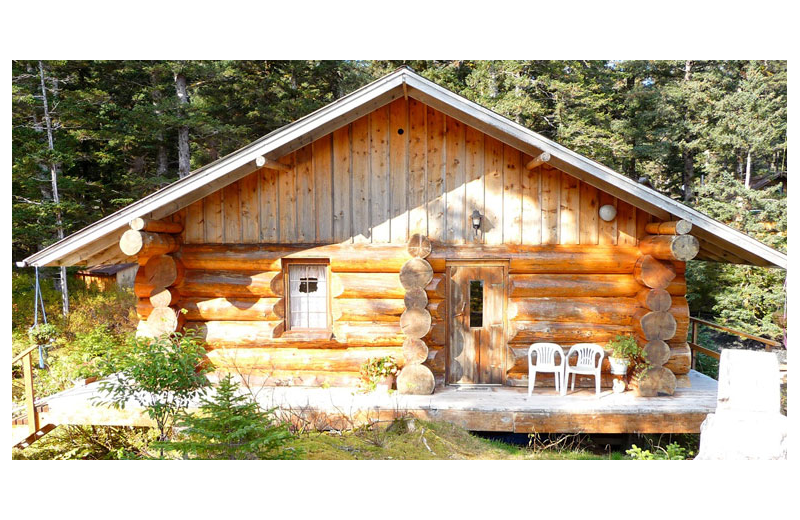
475 262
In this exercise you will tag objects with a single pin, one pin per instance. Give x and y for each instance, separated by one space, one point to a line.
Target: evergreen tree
231 426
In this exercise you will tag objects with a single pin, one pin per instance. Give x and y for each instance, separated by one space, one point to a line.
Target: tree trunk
184 157
747 172
161 158
688 156
54 182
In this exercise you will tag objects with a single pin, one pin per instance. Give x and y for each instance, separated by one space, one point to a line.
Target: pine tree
231 426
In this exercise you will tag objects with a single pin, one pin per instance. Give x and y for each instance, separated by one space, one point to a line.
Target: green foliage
374 370
162 375
90 443
673 451
230 426
625 346
42 334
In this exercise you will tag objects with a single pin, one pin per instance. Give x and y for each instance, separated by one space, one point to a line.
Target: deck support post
30 405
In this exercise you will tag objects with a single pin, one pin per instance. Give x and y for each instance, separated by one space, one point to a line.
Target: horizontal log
370 285
680 311
437 360
358 258
156 226
527 332
653 273
143 308
675 227
389 258
265 162
302 359
670 247
537 161
677 287
436 335
617 311
680 359
572 285
218 334
543 259
256 377
438 309
145 244
368 309
141 287
226 284
437 288
250 334
163 271
231 309
365 333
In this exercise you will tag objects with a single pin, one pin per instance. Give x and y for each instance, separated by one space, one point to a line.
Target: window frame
286 264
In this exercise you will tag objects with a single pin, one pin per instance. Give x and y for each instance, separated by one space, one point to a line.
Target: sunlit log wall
355 197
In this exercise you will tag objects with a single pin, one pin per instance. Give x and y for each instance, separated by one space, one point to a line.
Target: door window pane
476 303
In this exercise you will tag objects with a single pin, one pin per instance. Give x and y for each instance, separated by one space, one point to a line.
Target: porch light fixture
608 212
476 220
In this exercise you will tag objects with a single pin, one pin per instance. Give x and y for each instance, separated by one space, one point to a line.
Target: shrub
230 426
163 375
673 451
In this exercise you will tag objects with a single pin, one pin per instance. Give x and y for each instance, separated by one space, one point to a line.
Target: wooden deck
500 409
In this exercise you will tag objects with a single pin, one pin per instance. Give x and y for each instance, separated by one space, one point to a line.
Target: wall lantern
608 212
476 221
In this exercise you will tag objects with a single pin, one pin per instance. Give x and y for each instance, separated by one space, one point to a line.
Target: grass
424 440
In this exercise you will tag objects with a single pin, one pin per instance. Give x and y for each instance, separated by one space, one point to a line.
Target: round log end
415 380
658 325
658 300
415 351
415 323
657 381
131 242
415 298
163 320
417 272
419 246
685 247
683 227
657 352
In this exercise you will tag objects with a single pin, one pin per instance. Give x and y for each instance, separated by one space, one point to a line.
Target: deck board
490 409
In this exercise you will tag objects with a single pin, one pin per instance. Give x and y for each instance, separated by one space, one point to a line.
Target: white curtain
308 297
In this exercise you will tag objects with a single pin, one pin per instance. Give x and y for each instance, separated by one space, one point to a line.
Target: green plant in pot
624 351
378 373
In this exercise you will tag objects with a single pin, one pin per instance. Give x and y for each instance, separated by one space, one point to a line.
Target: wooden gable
407 168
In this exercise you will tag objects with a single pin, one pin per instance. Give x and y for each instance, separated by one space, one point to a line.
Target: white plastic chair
588 363
546 362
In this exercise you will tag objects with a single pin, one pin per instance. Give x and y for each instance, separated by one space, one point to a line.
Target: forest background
711 134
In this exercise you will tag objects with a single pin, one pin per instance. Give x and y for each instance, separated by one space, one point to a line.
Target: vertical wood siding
407 168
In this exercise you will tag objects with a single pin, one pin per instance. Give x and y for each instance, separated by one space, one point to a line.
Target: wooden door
476 324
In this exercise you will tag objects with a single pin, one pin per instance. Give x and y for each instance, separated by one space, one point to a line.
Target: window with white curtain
308 296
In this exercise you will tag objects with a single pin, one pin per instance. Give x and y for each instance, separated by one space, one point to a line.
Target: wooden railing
768 343
35 430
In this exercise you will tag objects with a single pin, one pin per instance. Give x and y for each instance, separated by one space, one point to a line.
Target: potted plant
624 350
378 373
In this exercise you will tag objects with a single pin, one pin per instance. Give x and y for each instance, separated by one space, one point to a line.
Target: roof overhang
98 241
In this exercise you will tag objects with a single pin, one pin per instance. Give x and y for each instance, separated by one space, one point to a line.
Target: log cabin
406 220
